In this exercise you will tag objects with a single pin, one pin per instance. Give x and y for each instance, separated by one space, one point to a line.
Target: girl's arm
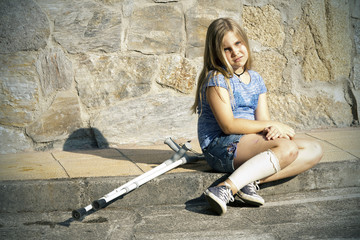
272 132
262 110
219 100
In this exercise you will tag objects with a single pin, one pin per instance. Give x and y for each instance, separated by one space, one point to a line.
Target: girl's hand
279 130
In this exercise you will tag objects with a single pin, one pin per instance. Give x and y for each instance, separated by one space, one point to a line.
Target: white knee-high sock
258 167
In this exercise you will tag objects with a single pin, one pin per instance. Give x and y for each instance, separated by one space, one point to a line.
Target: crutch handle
179 154
173 145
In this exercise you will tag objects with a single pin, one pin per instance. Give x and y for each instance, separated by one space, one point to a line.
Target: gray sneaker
218 197
248 194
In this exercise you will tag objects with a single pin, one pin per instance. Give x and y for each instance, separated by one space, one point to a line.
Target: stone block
199 17
13 140
304 45
271 64
339 30
59 121
356 73
147 119
82 26
19 91
104 80
305 112
23 26
356 25
178 73
156 29
264 24
55 71
324 24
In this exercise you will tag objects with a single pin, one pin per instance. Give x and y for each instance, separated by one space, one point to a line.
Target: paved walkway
338 144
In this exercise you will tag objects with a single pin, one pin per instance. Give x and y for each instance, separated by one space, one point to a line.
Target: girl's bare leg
252 145
310 153
295 156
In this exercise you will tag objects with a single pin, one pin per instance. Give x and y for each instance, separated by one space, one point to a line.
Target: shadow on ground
91 140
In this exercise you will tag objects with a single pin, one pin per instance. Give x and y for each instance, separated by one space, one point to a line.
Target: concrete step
173 188
316 214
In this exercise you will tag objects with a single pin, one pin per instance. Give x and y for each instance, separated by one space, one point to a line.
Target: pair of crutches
179 158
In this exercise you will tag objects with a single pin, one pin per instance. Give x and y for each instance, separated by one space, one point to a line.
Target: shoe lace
226 195
254 186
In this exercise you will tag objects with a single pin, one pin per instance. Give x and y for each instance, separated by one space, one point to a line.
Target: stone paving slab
345 140
27 166
96 163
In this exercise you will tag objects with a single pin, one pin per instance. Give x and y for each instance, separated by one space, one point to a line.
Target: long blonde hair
214 54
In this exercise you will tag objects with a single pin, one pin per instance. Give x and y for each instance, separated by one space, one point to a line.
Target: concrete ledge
174 188
63 181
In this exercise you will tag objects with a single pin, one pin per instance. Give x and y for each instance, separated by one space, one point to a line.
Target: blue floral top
244 103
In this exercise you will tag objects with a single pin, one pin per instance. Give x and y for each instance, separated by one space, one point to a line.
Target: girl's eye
226 49
238 43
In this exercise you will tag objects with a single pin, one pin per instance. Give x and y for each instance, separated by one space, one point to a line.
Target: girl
235 132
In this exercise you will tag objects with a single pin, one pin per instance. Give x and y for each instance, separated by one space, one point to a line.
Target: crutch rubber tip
77 214
97 204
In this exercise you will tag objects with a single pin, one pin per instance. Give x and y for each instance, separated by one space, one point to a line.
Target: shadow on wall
85 138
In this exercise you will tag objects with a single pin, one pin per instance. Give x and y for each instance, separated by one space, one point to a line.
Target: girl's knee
291 151
315 150
287 152
311 153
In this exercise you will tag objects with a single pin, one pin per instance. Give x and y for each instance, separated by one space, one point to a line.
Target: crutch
177 159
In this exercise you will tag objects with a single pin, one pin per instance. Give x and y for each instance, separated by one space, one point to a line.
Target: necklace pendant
240 73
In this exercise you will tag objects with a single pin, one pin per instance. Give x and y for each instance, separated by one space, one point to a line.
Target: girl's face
235 51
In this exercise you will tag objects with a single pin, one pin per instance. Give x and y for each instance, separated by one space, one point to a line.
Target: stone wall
97 73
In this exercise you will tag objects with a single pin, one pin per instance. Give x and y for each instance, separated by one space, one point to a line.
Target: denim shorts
221 152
